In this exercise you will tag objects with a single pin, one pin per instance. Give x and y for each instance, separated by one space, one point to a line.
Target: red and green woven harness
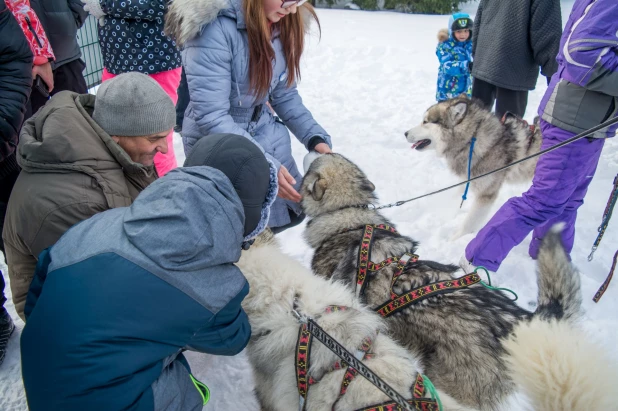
399 302
396 303
304 380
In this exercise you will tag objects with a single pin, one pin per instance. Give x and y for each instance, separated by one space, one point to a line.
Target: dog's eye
425 121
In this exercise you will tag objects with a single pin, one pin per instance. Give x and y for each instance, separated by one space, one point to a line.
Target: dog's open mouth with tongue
421 144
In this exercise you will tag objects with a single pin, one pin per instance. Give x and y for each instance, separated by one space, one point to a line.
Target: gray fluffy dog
280 285
458 336
448 128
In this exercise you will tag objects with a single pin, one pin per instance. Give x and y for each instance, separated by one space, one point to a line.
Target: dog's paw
409 281
403 284
412 280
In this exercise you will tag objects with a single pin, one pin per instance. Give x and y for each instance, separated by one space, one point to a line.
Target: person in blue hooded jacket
242 58
454 52
114 304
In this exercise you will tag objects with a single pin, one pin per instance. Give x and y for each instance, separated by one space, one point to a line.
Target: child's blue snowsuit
454 76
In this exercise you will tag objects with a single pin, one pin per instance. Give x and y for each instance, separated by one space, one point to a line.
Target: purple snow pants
558 189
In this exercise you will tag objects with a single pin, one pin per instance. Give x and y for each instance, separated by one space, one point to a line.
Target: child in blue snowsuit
455 54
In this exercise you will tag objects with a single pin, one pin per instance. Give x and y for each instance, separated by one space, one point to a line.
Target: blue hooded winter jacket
126 291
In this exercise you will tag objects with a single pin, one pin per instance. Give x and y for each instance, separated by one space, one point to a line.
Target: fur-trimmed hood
443 35
244 164
186 18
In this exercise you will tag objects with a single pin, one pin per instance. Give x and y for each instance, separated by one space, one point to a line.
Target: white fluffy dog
280 284
558 367
553 363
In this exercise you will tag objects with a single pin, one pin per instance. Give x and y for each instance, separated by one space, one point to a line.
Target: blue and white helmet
459 21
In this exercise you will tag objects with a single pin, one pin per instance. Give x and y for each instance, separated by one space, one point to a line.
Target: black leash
586 133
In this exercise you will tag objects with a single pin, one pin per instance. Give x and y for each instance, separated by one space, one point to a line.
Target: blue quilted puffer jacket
215 56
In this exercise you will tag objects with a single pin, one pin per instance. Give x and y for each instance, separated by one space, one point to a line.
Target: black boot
6 329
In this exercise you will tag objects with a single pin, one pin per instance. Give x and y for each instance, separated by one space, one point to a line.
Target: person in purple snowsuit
582 94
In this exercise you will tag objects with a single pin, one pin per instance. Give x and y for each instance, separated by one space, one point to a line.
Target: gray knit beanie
133 104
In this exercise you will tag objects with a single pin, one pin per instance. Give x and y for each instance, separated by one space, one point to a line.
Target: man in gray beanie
82 154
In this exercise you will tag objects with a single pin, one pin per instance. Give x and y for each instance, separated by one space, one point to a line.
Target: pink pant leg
107 75
169 81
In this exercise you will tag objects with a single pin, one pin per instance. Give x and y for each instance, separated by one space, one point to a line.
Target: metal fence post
88 40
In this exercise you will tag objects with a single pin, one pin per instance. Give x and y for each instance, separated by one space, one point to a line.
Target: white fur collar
185 18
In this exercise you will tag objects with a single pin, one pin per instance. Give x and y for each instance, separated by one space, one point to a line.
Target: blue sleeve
449 64
208 66
228 332
36 287
289 106
135 9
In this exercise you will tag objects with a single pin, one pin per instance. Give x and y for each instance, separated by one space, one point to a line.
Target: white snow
369 79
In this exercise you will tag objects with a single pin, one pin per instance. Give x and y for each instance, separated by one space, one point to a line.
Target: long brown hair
261 53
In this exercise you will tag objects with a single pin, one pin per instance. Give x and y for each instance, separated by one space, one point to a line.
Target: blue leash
465 194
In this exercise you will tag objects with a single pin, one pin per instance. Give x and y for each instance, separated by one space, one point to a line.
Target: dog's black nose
406 134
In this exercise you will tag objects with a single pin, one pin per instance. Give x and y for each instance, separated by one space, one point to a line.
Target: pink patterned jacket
33 30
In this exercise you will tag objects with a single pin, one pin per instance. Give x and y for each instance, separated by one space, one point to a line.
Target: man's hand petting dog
286 188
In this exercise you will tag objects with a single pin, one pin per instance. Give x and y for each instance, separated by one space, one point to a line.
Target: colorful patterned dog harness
399 302
304 380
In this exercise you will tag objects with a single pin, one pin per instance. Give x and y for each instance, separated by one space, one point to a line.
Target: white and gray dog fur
460 337
448 128
276 281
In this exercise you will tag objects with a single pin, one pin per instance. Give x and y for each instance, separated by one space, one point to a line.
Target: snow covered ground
369 79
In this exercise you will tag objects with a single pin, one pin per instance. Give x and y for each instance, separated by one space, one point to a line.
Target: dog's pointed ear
319 188
457 112
316 186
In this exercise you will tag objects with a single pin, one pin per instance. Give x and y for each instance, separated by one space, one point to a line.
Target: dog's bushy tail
558 367
558 280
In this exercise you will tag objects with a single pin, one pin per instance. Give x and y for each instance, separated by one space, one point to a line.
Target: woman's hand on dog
323 148
286 188
286 181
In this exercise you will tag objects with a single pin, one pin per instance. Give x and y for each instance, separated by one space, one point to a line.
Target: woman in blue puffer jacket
240 55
